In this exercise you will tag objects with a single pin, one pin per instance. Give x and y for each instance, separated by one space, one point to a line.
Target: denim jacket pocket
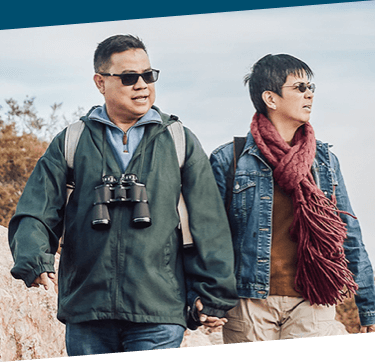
243 193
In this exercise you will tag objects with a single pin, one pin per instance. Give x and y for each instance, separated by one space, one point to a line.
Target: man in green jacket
123 285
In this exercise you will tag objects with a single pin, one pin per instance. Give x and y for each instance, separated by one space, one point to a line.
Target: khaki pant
279 317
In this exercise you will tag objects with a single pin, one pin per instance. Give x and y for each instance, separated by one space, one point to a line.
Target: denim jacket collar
252 148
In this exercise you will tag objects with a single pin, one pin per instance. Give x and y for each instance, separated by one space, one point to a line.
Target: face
126 104
294 106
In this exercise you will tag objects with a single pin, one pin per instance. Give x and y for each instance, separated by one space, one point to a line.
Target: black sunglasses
151 76
302 87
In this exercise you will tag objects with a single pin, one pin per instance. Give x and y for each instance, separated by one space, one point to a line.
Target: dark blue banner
45 13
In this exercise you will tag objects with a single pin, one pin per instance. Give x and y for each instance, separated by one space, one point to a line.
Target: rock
29 328
201 337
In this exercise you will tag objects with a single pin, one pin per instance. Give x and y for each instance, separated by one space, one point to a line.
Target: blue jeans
111 336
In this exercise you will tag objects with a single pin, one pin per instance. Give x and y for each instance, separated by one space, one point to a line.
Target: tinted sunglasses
302 87
151 76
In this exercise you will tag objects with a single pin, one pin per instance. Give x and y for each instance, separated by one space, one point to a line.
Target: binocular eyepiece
126 190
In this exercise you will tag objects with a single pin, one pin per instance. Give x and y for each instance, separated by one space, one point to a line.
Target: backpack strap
72 136
177 132
238 146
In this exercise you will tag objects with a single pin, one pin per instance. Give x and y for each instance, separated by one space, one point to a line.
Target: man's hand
43 280
214 323
367 329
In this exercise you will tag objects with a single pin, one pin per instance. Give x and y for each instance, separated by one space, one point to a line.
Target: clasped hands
215 323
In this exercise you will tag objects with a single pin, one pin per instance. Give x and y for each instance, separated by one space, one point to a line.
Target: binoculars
126 190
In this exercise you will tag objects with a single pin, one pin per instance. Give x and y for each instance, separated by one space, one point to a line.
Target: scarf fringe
322 272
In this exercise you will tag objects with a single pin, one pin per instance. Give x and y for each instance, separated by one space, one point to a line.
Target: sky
203 60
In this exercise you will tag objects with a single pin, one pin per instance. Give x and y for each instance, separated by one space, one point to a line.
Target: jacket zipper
142 147
119 232
117 266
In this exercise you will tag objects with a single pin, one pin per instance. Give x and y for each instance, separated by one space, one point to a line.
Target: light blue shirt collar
100 114
115 135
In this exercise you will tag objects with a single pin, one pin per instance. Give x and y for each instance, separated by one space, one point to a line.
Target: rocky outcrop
201 337
29 328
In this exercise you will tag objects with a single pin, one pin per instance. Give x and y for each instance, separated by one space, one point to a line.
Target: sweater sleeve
210 263
36 227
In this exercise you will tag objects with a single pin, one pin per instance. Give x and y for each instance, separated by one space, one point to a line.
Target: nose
309 93
140 84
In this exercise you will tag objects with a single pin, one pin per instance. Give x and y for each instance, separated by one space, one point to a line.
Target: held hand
43 280
367 329
214 323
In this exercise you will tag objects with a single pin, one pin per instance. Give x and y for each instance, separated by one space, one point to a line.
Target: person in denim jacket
298 246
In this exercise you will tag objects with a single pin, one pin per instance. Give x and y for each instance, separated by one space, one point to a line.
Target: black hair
269 74
114 44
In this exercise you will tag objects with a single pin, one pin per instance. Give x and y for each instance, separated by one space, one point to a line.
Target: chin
145 107
305 120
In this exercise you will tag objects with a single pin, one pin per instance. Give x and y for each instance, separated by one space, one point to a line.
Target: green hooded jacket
139 275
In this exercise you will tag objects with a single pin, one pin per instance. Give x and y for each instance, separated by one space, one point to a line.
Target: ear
99 82
269 99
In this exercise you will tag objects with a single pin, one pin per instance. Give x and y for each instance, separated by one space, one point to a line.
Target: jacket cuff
44 268
367 318
213 311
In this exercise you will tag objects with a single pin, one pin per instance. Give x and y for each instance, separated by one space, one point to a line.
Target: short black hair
269 74
114 44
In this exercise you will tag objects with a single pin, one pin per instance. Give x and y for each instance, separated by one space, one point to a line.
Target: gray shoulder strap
73 133
178 134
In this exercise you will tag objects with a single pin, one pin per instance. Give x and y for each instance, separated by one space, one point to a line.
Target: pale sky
203 59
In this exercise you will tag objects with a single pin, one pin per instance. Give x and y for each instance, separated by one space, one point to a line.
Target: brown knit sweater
283 249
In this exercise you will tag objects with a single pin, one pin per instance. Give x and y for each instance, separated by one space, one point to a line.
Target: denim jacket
250 217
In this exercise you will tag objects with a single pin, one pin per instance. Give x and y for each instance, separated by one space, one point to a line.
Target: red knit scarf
322 274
